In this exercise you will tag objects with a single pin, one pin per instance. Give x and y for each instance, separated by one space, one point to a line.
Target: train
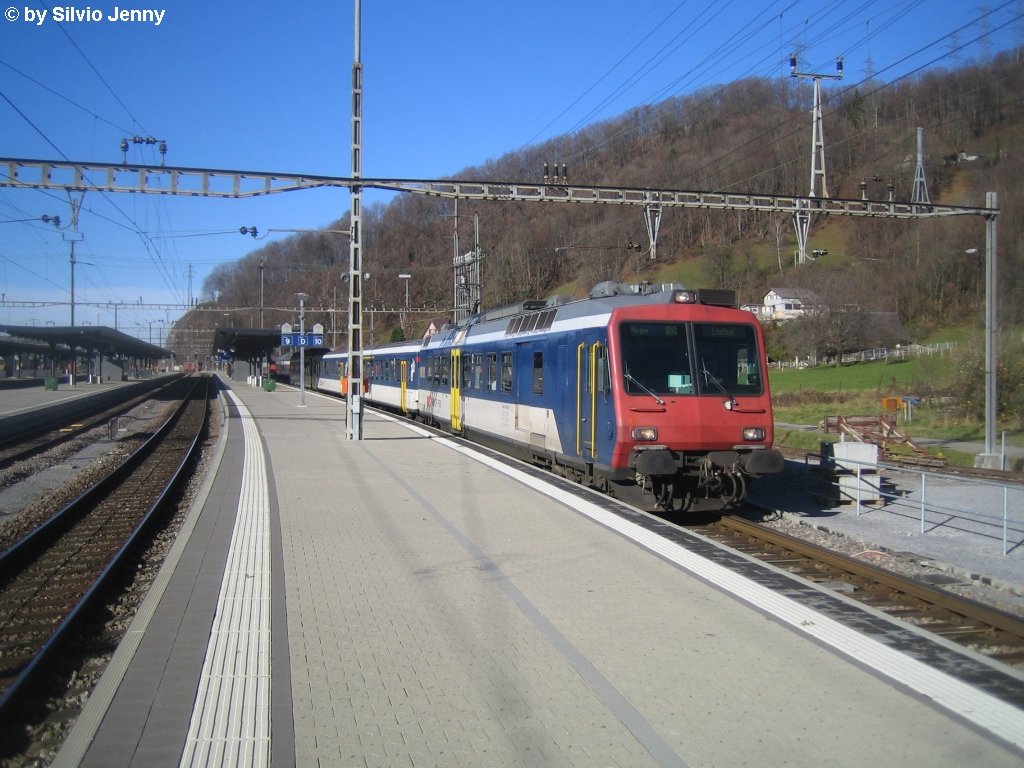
650 392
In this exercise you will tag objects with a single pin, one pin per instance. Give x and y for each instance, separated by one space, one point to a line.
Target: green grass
806 396
882 378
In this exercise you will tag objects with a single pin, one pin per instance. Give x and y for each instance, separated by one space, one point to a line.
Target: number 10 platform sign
314 339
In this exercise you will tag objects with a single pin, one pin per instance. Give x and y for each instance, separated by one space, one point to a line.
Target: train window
727 359
656 359
478 371
445 364
538 373
506 371
467 371
492 371
604 383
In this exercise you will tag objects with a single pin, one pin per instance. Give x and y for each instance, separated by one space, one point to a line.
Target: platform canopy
246 343
86 338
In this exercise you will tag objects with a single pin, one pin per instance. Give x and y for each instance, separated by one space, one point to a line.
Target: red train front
692 408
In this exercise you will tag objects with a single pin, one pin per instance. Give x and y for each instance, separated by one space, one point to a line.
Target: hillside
748 136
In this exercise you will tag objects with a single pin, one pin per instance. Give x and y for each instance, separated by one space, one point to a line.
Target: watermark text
74 14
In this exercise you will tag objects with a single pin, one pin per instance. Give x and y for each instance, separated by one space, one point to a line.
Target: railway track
973 473
967 623
54 578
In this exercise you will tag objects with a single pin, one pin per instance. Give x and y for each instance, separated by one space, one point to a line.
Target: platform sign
302 340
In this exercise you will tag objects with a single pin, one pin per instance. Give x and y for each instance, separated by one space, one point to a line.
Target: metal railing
934 500
877 353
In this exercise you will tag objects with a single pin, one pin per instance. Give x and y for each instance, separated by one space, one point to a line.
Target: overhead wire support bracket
802 218
79 176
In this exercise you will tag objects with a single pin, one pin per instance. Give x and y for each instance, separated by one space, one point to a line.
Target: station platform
21 396
17 398
402 600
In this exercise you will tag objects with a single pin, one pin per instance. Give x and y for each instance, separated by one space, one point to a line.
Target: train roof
527 317
538 316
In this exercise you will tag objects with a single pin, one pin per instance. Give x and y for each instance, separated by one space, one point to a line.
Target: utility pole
652 218
466 268
802 218
355 266
302 348
405 310
990 458
72 237
920 194
458 299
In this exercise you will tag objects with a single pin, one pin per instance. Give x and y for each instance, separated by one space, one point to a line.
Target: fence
878 353
934 500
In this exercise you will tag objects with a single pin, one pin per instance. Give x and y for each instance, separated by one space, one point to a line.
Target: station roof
246 343
86 337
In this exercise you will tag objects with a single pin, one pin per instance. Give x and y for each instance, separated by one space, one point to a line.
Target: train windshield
656 359
727 360
690 359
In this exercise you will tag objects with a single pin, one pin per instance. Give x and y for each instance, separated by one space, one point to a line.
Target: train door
403 384
591 396
529 382
456 384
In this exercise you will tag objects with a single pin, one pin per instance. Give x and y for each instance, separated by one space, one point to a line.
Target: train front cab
694 410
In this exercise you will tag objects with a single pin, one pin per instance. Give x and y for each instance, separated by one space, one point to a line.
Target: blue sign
300 340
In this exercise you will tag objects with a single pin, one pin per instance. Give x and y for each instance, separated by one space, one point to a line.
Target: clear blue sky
448 84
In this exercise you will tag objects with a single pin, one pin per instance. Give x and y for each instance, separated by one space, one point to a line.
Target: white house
788 303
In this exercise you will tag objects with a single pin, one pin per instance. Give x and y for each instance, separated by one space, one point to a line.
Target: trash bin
50 383
269 385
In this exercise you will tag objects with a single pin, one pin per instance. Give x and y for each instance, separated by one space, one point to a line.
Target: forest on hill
751 136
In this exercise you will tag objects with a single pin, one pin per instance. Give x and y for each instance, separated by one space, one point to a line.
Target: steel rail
962 606
27 550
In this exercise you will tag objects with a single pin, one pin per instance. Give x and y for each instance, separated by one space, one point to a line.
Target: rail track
54 578
967 623
973 473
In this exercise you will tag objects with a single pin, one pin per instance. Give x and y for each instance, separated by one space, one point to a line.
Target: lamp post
302 348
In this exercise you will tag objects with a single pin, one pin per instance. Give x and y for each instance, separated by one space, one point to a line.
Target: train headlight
684 297
753 434
646 434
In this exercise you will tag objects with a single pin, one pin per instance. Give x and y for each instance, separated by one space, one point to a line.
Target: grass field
805 396
881 378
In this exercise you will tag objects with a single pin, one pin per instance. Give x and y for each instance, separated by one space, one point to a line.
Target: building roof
246 343
83 337
804 294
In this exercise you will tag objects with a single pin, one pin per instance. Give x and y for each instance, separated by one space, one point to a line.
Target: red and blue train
656 389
